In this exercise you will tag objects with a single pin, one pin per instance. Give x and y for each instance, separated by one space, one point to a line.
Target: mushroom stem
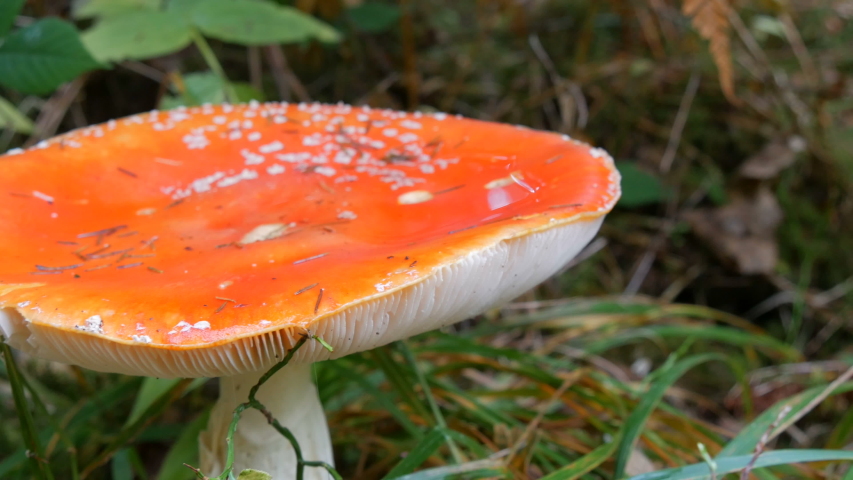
291 397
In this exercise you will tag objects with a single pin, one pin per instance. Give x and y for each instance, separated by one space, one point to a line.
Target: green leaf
246 93
207 87
150 390
419 454
42 56
120 466
639 188
249 474
137 36
184 7
203 87
841 432
584 464
254 22
734 464
105 8
134 429
183 451
764 26
374 17
8 11
648 402
10 117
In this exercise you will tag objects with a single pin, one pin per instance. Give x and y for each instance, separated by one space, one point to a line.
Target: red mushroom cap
210 231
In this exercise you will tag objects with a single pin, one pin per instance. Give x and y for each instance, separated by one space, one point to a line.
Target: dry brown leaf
742 233
771 160
639 463
711 20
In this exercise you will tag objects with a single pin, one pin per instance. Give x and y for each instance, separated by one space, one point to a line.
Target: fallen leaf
639 463
775 157
742 233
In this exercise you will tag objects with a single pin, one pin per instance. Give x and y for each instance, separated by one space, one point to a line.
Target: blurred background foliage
713 309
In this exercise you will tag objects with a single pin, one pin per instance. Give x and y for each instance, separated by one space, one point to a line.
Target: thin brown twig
411 76
680 122
800 50
256 68
54 110
285 79
570 100
145 70
543 409
762 443
847 375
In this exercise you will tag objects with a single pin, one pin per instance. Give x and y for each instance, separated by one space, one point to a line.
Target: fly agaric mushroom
204 241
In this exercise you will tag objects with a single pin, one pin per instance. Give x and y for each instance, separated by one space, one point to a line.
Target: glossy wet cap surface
197 226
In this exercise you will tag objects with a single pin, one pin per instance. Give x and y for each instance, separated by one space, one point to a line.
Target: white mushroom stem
291 396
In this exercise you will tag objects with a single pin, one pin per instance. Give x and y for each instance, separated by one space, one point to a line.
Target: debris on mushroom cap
206 225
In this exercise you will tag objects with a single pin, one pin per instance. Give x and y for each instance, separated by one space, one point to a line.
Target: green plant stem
59 430
214 65
252 402
41 469
131 431
436 412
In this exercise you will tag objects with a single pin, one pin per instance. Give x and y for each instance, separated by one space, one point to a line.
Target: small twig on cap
305 289
102 233
319 299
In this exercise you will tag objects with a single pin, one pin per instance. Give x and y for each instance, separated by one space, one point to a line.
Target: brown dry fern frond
711 20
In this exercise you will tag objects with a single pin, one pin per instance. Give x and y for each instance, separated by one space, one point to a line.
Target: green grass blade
120 466
40 468
735 464
134 429
10 117
91 409
436 412
848 475
637 420
746 440
151 390
584 464
401 380
726 335
383 398
419 454
480 469
183 451
842 431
